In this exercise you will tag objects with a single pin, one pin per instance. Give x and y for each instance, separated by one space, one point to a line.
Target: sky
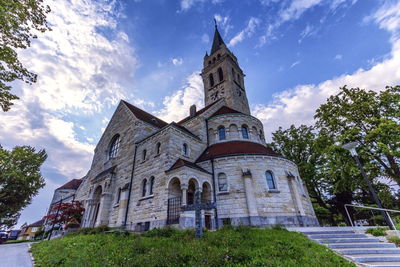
295 54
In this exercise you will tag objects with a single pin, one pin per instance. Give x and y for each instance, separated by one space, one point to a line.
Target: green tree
19 20
372 119
20 181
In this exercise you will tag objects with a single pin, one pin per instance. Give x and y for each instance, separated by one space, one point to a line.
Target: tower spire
217 42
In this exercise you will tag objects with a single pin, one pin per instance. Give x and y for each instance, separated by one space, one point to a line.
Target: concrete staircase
355 245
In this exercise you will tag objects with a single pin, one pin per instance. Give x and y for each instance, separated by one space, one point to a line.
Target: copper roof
181 162
198 112
225 110
235 148
73 184
144 116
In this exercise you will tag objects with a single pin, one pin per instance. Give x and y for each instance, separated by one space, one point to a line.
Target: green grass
240 246
378 231
395 239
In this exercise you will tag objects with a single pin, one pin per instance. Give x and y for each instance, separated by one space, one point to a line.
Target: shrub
90 230
378 231
394 239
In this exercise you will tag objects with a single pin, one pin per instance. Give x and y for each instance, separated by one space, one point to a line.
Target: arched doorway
206 197
192 186
174 201
95 205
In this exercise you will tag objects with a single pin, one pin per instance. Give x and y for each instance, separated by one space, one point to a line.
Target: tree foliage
331 175
68 214
20 20
20 181
372 119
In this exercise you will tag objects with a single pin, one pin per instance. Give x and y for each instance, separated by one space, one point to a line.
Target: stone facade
144 169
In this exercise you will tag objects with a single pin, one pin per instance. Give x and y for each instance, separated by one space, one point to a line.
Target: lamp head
351 147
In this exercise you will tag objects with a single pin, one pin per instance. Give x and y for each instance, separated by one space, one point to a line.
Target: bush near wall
170 247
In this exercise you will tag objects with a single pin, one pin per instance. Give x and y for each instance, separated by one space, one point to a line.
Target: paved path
15 255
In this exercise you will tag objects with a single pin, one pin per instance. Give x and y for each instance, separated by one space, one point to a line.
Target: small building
28 232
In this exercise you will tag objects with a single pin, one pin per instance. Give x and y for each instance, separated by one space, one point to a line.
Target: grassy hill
240 246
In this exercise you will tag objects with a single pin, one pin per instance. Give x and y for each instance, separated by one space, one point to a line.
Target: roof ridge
145 116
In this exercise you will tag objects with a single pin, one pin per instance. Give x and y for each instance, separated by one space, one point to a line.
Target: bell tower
222 77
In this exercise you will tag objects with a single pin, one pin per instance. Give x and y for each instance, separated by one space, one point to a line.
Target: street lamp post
352 148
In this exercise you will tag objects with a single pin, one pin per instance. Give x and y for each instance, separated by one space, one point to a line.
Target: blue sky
295 53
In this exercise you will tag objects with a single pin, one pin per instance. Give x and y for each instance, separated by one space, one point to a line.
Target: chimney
192 110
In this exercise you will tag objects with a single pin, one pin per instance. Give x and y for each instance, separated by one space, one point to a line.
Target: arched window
270 180
245 132
144 187
158 148
185 149
211 78
114 146
220 75
118 195
222 182
221 133
144 153
209 62
151 185
218 56
233 74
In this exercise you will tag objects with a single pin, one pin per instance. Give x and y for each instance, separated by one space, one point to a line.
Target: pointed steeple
217 42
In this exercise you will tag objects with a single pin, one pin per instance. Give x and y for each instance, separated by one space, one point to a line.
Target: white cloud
297 106
295 63
338 57
81 74
246 32
205 38
177 61
223 23
176 106
188 4
297 8
309 30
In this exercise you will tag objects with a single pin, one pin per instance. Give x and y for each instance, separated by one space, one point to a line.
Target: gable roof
37 224
181 163
225 110
198 112
144 116
73 184
235 148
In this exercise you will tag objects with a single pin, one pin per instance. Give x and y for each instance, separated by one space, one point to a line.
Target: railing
371 208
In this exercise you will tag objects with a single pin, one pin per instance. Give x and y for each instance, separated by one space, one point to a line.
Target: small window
221 133
114 147
270 180
118 195
158 148
211 78
209 62
144 154
245 132
222 182
185 149
144 187
220 75
151 185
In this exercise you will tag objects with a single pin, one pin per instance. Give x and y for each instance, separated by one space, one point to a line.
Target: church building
145 170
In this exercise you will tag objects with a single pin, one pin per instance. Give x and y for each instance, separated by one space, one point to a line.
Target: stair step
369 251
349 240
327 232
377 259
362 245
326 236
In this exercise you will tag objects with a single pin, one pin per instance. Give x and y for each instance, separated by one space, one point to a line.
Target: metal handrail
371 208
